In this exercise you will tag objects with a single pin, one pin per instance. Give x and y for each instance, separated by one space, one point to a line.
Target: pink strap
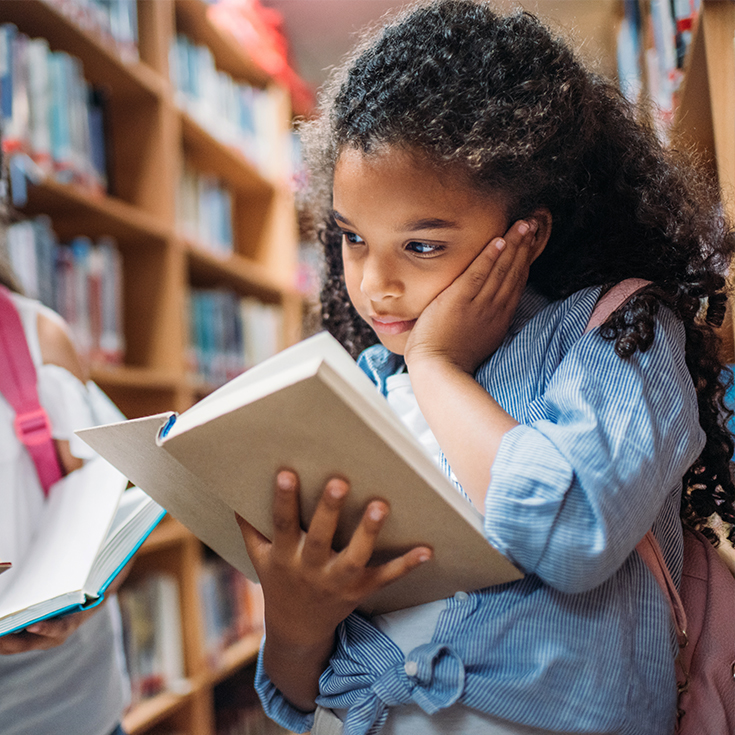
18 383
615 297
650 552
648 547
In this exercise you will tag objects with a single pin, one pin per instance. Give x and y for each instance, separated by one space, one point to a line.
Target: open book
312 409
90 528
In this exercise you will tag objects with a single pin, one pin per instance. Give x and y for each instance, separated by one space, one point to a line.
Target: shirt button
461 597
411 668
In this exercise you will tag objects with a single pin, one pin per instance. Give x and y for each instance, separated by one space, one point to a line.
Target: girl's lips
391 326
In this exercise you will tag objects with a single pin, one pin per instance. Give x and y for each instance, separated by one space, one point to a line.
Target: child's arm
463 326
309 588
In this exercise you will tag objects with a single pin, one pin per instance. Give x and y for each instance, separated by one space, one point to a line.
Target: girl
63 675
478 190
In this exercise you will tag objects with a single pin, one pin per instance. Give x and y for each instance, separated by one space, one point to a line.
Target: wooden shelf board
126 376
103 66
211 156
229 56
76 210
239 654
235 271
147 713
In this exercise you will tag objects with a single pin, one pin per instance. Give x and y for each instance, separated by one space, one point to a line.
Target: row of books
232 607
234 112
114 21
81 280
152 636
230 333
50 112
204 210
651 53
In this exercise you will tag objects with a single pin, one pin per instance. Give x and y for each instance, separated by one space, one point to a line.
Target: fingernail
424 557
377 512
285 481
523 228
534 224
337 489
500 244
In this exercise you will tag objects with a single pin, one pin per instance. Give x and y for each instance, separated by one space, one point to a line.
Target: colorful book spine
204 210
234 112
50 112
229 334
81 280
152 635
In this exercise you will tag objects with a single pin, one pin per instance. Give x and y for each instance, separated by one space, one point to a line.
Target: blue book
7 35
90 529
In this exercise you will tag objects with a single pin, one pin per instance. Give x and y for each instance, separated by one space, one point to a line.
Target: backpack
703 610
18 384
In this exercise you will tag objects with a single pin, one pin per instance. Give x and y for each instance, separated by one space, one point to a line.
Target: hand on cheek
468 321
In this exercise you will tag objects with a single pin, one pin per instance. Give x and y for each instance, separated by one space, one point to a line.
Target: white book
310 408
91 526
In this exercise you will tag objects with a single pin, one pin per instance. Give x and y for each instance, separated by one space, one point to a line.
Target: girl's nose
380 279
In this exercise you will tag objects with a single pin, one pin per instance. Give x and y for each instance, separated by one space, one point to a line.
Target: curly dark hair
503 99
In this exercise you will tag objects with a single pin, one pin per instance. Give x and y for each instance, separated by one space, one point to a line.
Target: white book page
76 519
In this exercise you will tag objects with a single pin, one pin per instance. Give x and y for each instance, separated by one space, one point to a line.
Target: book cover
312 409
91 526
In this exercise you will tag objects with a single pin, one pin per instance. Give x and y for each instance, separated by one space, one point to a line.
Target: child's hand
308 587
467 321
45 634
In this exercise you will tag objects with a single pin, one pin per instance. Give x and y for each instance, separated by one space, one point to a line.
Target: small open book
312 409
91 526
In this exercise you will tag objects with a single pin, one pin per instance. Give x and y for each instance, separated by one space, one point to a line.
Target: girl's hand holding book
468 321
308 587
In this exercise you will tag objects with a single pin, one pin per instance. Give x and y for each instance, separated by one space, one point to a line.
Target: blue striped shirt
584 642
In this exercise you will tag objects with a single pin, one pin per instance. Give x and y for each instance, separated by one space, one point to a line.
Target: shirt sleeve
276 706
73 405
572 493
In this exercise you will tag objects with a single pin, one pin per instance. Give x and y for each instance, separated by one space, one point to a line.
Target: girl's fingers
317 546
286 510
400 567
362 544
255 543
511 267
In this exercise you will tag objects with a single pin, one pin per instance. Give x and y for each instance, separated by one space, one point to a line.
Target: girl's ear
543 217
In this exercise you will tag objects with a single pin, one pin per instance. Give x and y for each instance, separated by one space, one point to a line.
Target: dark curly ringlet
502 100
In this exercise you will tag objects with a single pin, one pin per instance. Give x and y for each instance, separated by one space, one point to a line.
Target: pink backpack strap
615 297
18 383
650 552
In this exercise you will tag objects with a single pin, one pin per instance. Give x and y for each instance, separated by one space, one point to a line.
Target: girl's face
408 231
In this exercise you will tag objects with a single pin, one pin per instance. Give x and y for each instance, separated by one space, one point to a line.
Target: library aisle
150 166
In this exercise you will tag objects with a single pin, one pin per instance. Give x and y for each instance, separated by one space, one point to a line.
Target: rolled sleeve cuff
275 704
521 508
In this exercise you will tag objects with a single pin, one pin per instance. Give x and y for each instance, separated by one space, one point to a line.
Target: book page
76 519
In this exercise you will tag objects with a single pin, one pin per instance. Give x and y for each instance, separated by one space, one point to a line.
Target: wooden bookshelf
150 137
705 115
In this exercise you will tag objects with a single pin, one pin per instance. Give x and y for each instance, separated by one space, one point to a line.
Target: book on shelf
229 333
81 280
231 606
90 529
50 111
152 635
232 111
311 408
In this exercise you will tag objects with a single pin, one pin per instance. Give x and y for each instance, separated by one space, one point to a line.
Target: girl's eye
423 248
352 238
